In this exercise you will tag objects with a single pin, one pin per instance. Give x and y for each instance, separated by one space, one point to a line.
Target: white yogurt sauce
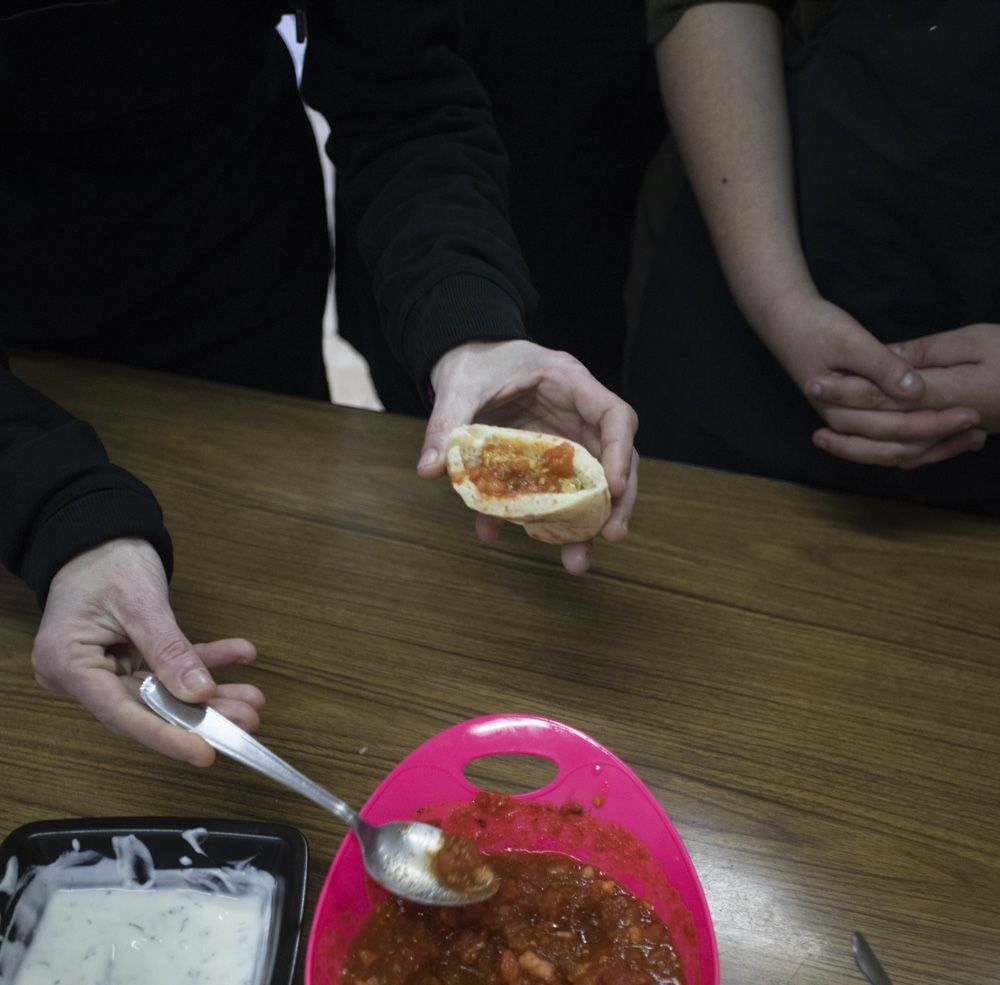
194 837
145 937
86 919
9 882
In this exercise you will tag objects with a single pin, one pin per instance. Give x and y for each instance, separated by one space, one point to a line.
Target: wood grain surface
808 683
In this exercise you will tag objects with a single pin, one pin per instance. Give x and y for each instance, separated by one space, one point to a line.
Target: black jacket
572 85
152 189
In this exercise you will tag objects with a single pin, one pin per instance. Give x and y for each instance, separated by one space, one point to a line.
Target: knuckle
108 720
872 398
45 673
559 365
439 430
42 655
171 651
916 351
561 358
889 456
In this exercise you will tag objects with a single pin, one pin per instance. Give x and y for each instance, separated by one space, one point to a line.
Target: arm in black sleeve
422 170
59 494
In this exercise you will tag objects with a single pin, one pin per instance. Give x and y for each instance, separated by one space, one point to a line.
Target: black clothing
896 122
182 229
574 95
161 204
410 125
60 494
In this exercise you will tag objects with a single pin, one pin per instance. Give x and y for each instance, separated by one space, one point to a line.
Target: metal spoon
397 855
868 964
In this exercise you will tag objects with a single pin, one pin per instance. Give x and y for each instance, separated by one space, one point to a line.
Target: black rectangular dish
211 856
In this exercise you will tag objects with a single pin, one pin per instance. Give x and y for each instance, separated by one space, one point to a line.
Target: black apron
895 112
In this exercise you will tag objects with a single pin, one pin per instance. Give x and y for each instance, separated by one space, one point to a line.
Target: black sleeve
59 494
422 171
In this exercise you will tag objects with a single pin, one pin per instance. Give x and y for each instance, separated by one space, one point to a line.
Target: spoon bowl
399 855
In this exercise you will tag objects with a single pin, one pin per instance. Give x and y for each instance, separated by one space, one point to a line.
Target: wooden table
809 683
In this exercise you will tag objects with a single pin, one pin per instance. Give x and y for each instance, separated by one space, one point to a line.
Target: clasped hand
905 405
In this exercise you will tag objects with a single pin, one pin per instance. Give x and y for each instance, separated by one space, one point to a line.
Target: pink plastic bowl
622 831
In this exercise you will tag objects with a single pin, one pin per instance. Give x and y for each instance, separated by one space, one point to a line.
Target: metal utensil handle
867 963
228 738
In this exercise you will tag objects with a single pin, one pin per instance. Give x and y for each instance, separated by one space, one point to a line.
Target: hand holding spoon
405 856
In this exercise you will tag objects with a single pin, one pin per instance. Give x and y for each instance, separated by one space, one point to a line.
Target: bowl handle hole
510 772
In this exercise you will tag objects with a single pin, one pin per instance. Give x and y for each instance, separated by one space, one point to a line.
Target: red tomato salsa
509 468
553 920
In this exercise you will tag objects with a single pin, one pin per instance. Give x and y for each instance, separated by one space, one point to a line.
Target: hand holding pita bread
518 384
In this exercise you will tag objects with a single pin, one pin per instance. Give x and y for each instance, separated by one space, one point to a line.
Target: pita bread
574 511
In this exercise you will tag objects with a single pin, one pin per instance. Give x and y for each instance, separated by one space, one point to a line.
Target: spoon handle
866 961
222 734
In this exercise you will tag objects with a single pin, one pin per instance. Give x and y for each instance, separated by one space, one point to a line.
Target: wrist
793 323
74 524
460 361
461 309
776 314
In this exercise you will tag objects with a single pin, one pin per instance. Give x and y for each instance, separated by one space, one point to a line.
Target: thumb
170 655
450 411
890 372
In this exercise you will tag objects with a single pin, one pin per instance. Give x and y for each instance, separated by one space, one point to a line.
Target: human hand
811 337
523 385
889 424
106 618
960 368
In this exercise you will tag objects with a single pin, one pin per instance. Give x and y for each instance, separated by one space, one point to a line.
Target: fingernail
815 390
978 442
908 381
820 442
429 457
896 350
196 679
